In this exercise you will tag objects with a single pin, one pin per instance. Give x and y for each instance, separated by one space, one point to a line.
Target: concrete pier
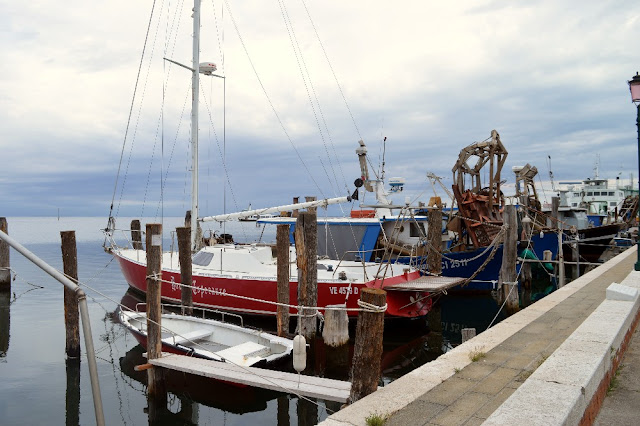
550 363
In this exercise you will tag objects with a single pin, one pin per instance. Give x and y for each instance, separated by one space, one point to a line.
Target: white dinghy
210 339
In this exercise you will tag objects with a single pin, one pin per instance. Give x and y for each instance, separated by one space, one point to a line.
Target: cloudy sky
305 80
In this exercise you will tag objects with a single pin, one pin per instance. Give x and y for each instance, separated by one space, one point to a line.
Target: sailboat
243 278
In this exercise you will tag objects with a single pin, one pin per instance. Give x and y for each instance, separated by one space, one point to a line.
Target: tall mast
195 87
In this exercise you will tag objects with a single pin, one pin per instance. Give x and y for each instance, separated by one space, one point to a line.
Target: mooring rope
369 307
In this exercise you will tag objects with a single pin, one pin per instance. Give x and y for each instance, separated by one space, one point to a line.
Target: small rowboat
210 339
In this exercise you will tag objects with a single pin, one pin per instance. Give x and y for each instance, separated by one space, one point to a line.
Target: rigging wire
309 87
264 91
332 70
126 133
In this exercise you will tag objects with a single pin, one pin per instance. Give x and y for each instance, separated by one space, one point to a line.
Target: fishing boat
592 214
210 339
242 278
584 237
470 252
604 202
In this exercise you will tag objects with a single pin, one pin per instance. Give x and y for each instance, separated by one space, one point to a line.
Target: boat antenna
553 186
384 150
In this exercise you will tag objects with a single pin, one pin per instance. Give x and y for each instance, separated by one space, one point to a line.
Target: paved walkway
622 404
474 392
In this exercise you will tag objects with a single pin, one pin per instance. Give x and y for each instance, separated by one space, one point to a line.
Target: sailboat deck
428 283
315 387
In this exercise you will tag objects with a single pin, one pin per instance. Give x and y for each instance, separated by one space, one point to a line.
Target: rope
498 238
368 307
493 244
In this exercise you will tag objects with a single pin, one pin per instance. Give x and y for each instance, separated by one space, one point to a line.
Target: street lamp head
634 87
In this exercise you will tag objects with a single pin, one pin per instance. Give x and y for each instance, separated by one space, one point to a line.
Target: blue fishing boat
375 229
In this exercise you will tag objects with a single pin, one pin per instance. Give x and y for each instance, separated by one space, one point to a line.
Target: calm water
38 387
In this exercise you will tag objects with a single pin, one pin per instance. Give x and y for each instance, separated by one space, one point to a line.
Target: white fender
299 353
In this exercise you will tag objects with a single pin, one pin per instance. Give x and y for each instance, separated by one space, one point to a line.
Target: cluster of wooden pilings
75 306
368 347
365 370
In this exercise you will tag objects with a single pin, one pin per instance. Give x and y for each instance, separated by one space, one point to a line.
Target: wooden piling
367 351
5 264
136 234
294 213
156 385
434 239
311 198
71 310
282 250
561 272
508 276
306 239
335 332
555 206
575 251
335 336
186 269
468 333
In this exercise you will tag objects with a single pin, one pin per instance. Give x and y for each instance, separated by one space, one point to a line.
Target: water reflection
212 393
186 414
407 345
5 322
72 399
460 311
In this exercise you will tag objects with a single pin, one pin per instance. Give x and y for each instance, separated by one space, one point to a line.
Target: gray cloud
431 77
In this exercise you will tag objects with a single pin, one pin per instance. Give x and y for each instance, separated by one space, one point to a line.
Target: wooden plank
310 386
427 283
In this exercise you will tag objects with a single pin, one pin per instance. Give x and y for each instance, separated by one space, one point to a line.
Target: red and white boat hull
257 295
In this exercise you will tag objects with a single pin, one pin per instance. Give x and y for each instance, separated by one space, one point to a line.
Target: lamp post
634 87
